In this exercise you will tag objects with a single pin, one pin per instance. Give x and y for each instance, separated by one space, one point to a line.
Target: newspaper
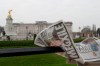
89 49
86 51
57 32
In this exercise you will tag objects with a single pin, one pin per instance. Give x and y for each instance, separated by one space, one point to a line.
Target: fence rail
28 51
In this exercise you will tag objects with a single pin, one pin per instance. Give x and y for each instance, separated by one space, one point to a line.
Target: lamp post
79 32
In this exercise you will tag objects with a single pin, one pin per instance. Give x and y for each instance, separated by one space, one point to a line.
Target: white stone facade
21 31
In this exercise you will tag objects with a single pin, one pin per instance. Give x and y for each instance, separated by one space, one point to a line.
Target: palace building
23 31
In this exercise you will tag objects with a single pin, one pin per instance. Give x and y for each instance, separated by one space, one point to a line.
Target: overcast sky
80 12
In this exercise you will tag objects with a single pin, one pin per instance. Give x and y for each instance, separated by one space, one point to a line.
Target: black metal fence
28 51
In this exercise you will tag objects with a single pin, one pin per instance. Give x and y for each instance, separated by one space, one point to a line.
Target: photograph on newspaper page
89 49
57 32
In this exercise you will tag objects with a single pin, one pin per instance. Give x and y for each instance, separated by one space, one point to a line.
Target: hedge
77 40
16 43
26 43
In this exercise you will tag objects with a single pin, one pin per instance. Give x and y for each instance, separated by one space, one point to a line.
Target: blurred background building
23 31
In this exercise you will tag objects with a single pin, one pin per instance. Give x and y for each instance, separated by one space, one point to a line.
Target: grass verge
35 60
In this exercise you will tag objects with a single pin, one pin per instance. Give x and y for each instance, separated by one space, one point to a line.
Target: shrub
16 43
78 40
26 43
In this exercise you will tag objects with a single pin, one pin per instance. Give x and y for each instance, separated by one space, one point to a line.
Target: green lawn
35 60
30 60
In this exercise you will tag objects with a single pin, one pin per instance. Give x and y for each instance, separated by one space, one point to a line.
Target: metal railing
28 51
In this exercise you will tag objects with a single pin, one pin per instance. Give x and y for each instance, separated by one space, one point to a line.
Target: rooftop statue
9 12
